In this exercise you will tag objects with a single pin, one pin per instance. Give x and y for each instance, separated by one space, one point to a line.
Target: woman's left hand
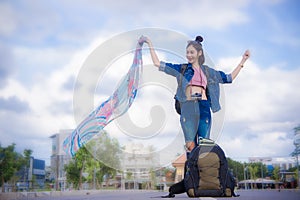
246 55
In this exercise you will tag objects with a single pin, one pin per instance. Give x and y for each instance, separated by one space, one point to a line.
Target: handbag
177 106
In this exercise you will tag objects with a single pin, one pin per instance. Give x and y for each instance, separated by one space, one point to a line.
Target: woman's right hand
154 57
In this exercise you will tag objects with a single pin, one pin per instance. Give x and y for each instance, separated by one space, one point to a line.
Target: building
179 165
59 159
37 173
33 176
137 165
283 163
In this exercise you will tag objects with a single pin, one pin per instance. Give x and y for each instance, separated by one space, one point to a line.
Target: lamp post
245 177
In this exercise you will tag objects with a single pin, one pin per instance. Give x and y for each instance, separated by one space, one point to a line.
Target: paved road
138 195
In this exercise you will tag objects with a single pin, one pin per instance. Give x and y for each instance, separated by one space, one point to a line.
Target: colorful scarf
115 106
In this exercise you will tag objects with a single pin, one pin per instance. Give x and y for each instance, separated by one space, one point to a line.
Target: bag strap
182 70
206 70
207 75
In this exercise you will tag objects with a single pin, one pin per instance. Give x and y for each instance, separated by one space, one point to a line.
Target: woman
198 89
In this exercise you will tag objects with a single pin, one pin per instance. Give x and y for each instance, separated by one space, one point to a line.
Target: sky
44 44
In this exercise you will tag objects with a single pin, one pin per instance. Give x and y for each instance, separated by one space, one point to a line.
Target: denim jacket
214 78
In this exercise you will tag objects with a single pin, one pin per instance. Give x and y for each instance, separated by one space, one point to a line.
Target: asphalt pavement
153 195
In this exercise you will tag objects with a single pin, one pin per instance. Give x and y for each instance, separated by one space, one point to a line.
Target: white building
139 162
283 163
59 158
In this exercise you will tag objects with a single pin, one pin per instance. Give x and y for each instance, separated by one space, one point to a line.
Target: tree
153 178
75 168
253 171
107 152
72 173
129 175
275 173
296 152
257 170
25 162
92 168
8 163
100 157
237 168
97 170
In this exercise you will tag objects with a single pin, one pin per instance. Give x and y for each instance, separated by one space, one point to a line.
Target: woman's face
192 55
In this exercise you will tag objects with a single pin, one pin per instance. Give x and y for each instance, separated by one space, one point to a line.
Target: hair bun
199 38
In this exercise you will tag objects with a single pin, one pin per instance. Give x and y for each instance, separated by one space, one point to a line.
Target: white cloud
52 23
188 15
261 93
45 98
262 104
253 101
265 143
262 108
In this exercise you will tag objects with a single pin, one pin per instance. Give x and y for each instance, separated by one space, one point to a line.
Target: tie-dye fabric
115 106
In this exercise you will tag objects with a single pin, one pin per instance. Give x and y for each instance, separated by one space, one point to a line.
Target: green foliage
99 158
72 173
106 150
26 157
296 151
257 170
76 167
252 170
7 162
129 175
153 178
237 168
11 162
275 173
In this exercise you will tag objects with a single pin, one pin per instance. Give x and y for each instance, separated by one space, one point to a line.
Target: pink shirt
199 78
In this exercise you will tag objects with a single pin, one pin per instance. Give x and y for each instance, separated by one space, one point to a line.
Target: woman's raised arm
238 68
153 54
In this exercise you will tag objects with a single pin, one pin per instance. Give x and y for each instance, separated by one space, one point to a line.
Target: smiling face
192 54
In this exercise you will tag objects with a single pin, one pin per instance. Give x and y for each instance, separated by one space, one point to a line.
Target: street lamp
262 173
245 177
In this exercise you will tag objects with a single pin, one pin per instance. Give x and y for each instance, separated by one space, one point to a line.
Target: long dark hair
198 46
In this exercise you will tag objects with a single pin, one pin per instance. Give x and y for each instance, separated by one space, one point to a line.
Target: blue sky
44 43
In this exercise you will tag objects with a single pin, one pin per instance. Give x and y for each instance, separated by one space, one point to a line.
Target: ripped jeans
195 120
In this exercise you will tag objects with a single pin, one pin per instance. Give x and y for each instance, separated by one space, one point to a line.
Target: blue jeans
195 120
